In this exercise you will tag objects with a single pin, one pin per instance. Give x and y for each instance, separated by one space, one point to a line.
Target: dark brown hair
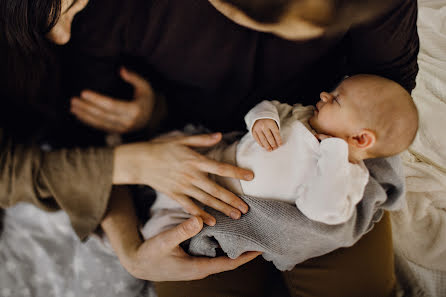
25 53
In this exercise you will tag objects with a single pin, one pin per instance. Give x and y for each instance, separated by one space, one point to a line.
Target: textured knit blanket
286 237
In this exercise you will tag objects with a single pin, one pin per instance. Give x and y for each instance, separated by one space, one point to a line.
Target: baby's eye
336 100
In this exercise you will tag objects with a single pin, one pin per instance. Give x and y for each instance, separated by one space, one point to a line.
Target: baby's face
336 113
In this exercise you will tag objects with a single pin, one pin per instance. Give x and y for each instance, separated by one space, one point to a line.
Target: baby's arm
331 196
263 122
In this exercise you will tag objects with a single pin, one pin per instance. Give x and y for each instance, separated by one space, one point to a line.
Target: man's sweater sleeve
78 181
388 46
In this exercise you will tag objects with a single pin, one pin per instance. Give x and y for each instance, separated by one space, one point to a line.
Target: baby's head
376 116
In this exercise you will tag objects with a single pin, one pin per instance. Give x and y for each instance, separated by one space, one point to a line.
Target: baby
313 157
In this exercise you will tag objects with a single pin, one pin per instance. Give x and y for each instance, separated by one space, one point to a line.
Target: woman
231 63
61 178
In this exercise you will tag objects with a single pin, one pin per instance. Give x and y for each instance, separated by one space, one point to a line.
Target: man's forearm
120 224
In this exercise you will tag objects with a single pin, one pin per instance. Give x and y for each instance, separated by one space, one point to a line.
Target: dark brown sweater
211 71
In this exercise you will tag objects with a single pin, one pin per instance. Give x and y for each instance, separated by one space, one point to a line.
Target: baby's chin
313 122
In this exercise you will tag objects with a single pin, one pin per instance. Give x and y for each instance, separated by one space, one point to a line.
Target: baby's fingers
263 141
271 139
277 136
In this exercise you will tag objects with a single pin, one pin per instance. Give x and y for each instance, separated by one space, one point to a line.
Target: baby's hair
388 110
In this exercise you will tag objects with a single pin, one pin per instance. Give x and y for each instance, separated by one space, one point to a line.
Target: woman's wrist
124 170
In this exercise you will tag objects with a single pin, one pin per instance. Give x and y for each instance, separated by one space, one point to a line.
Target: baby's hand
322 136
266 133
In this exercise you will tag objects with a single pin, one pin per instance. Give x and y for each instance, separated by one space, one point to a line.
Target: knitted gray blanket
287 237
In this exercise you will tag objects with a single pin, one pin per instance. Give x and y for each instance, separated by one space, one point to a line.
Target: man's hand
171 166
160 258
267 134
115 115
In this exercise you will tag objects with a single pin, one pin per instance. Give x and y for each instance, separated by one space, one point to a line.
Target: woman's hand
115 115
170 166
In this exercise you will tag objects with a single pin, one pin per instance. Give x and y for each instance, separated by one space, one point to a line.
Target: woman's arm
75 180
160 258
79 181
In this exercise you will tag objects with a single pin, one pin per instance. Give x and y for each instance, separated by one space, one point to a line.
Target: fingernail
216 135
210 222
235 215
85 94
243 208
249 176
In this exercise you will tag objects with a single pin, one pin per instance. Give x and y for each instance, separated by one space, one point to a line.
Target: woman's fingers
201 140
211 201
190 207
106 103
140 85
96 117
217 200
230 200
223 169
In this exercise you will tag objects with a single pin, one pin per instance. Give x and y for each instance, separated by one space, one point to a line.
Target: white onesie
317 176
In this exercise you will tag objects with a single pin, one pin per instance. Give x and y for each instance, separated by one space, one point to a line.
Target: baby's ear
363 140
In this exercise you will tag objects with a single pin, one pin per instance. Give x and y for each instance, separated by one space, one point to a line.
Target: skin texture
160 258
115 115
336 115
267 134
291 26
61 32
169 165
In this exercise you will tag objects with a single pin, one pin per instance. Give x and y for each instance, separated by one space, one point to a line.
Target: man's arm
159 258
388 46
